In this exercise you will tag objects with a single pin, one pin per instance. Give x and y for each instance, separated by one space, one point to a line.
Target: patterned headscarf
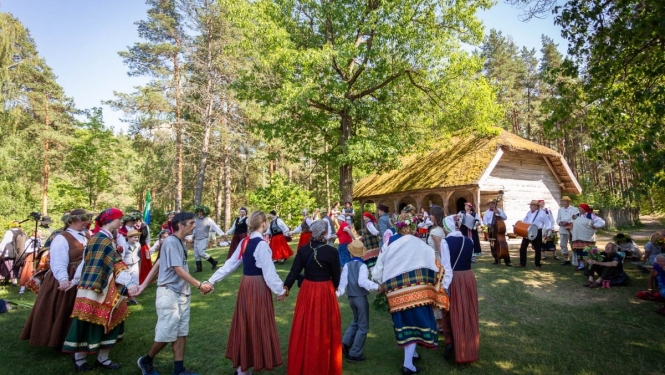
107 216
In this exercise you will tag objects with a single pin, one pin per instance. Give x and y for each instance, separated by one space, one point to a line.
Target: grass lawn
530 323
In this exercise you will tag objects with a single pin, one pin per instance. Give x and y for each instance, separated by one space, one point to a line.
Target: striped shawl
101 262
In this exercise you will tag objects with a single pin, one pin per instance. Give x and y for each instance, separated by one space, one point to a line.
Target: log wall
522 176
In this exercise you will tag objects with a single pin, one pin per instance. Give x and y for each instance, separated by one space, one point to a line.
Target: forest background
283 104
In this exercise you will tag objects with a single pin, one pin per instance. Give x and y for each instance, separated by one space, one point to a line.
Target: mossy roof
459 161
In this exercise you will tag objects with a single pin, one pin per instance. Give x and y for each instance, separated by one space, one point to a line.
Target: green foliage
91 157
371 78
285 198
617 61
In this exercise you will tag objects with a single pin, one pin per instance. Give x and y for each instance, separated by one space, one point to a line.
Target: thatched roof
460 161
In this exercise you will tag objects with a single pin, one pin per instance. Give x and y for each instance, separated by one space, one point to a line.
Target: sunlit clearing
504 365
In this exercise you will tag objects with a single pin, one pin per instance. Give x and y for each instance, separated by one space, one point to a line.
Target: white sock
22 290
80 358
408 356
581 263
103 355
240 372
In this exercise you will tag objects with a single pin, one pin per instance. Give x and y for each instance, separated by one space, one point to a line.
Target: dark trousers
355 335
537 244
605 273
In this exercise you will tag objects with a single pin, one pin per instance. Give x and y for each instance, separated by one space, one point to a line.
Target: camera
36 216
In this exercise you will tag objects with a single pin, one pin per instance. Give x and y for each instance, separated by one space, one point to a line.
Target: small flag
146 209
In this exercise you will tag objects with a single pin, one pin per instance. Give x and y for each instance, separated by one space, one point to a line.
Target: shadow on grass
530 323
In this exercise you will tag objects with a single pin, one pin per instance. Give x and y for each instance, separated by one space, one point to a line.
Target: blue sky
80 40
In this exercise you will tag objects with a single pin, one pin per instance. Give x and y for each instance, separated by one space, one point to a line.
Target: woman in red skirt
239 231
253 340
145 264
315 345
304 228
460 323
281 250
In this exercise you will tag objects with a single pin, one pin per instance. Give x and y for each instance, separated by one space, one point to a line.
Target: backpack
15 248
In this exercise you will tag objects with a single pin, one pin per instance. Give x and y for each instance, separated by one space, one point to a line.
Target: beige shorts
172 315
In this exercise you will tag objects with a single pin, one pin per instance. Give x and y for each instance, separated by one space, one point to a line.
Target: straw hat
357 248
133 233
566 198
534 202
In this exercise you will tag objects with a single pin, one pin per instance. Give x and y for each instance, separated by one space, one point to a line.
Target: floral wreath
404 220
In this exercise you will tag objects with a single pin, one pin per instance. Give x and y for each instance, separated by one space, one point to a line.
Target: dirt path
650 224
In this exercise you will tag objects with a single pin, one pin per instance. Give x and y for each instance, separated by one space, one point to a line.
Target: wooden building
472 169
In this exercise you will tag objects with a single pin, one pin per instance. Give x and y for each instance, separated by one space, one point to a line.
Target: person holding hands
173 297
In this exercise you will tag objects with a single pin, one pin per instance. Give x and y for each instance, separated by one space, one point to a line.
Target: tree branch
319 105
364 63
370 90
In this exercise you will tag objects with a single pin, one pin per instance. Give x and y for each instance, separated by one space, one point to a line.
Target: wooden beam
554 172
490 167
571 175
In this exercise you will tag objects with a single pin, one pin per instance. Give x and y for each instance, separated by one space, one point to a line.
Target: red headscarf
370 217
586 208
105 217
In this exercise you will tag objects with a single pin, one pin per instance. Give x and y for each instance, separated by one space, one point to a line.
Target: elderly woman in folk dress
408 270
460 323
315 345
99 309
584 232
49 319
371 240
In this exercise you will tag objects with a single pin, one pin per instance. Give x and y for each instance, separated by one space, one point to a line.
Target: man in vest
201 233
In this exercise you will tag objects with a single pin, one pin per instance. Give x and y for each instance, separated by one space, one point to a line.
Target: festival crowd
420 265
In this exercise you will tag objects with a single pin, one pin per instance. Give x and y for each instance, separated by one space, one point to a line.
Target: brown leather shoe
594 285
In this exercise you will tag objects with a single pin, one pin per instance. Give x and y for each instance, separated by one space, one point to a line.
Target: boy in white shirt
355 279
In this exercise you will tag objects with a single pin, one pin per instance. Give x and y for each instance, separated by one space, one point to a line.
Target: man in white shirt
564 219
537 217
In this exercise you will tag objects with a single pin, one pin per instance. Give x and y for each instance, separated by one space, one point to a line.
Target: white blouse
59 253
263 257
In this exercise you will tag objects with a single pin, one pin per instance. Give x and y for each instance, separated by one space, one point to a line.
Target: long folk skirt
253 340
472 234
235 241
280 248
304 239
145 265
315 345
49 320
460 324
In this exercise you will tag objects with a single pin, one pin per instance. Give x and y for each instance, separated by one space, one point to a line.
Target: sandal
83 367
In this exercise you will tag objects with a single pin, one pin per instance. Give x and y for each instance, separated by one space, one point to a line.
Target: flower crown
404 220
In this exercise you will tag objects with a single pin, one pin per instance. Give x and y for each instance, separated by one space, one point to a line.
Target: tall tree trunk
346 170
227 188
219 197
325 149
207 125
45 172
178 134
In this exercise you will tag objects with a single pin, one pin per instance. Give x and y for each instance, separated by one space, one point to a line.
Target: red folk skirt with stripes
315 345
145 264
461 322
304 239
253 340
235 241
280 248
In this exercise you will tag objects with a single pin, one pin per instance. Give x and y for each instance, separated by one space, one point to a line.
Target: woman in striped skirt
408 271
460 323
253 340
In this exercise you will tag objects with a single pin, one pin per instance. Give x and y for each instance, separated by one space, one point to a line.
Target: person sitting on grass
651 250
609 269
357 285
657 274
626 244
